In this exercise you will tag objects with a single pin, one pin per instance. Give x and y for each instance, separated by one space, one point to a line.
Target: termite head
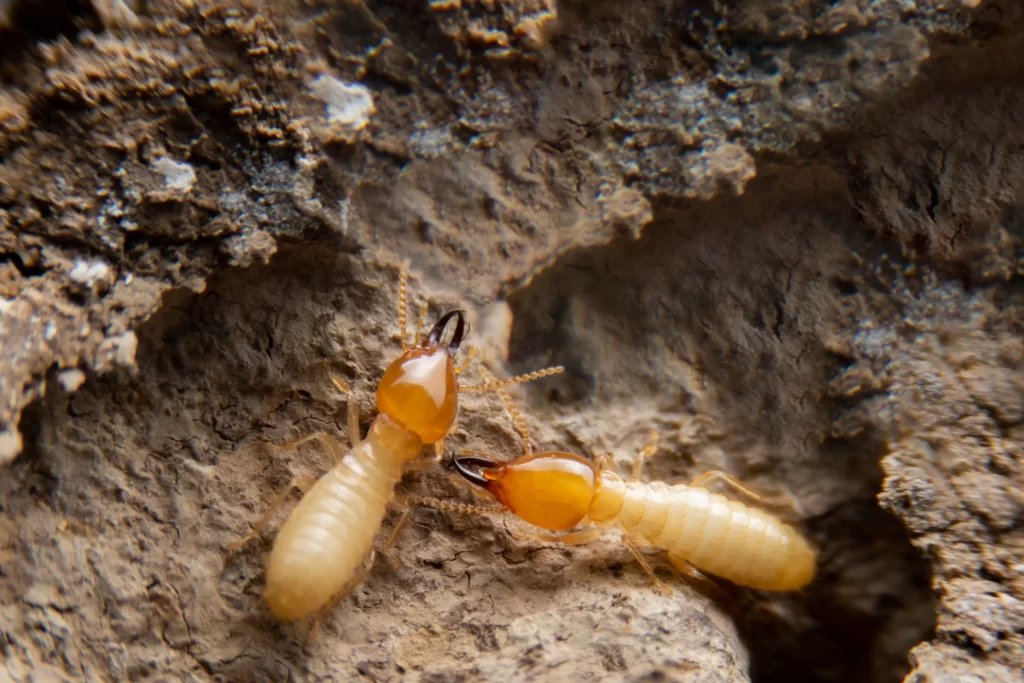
420 389
549 490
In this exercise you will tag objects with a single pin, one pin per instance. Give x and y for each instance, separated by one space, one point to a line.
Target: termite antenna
528 377
510 405
420 322
458 336
470 355
403 280
455 506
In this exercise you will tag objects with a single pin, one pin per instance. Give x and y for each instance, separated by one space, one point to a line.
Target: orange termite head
549 490
420 389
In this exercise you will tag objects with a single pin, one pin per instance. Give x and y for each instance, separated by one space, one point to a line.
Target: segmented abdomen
718 536
331 530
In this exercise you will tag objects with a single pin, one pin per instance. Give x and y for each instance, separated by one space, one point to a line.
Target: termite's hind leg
364 571
301 482
659 585
694 576
687 569
779 501
702 480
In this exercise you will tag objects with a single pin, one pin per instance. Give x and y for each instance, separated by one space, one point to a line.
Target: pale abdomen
718 536
328 535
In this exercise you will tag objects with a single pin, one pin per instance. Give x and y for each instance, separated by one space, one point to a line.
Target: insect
326 547
701 530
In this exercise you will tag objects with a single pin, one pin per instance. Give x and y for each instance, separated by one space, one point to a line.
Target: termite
701 530
326 547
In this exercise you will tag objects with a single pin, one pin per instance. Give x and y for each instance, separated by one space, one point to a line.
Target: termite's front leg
659 585
302 482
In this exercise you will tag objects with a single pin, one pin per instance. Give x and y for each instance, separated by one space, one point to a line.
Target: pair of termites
326 547
702 531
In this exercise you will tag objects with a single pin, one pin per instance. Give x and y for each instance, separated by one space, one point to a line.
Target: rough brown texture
785 234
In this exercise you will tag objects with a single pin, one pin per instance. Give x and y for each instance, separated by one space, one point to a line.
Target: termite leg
702 480
389 544
420 322
353 425
692 574
325 439
339 383
360 576
301 482
659 585
648 451
425 462
604 463
581 537
393 536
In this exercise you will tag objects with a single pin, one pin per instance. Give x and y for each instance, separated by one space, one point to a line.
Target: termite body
701 530
326 546
319 550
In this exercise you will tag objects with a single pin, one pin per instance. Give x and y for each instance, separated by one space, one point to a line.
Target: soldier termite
326 547
701 530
